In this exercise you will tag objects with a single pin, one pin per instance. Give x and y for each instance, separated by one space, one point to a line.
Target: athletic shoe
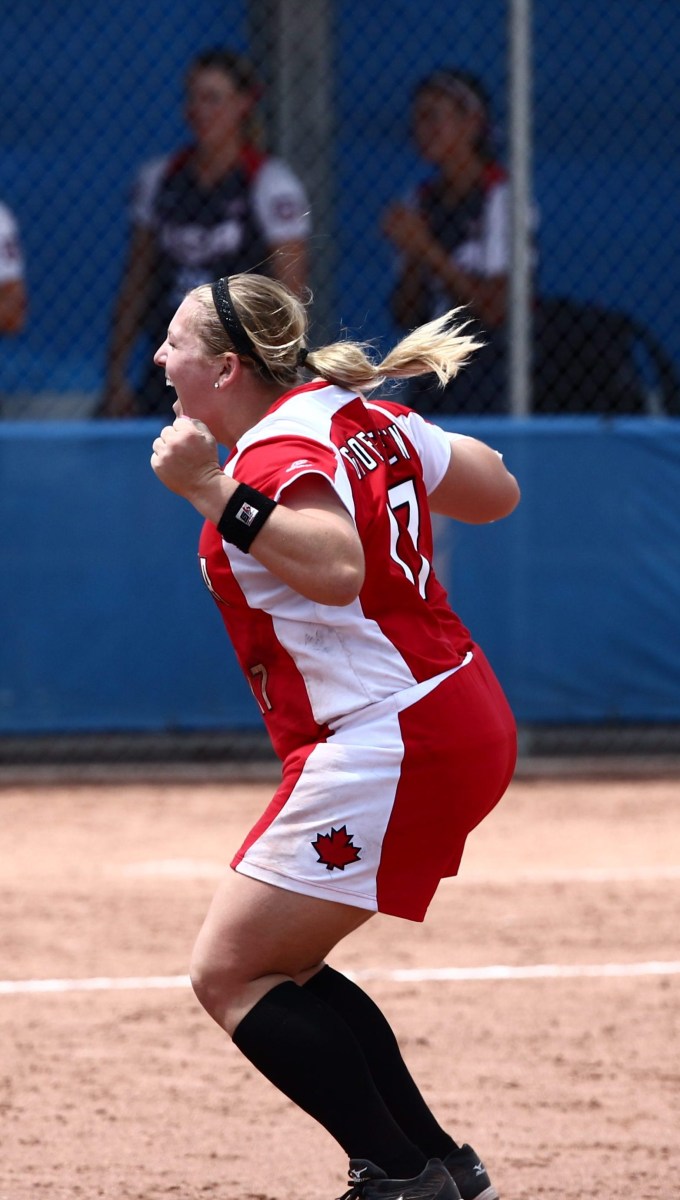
470 1175
370 1183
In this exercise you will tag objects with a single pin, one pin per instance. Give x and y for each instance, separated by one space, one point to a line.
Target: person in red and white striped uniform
220 204
453 237
395 737
12 275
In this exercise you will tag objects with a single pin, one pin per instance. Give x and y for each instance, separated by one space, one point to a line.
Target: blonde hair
276 323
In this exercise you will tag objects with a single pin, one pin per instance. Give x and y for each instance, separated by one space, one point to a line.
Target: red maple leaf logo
335 849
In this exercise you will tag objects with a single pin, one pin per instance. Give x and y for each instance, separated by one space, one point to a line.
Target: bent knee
215 986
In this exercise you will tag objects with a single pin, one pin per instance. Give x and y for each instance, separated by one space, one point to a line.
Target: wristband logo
246 514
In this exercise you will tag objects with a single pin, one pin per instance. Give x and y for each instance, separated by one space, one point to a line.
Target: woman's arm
409 231
486 294
309 541
476 487
128 315
290 265
13 306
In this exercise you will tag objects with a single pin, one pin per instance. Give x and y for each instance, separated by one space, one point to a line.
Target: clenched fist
185 459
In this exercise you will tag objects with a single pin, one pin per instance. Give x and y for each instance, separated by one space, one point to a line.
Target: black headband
231 323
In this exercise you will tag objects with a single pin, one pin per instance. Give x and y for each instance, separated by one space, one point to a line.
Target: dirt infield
568 1082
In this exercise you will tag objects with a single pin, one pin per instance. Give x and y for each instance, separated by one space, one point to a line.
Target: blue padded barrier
107 624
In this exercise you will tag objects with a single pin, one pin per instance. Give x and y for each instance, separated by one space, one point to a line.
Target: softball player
453 236
394 735
12 280
218 205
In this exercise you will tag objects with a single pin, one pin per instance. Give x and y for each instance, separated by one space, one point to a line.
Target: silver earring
216 384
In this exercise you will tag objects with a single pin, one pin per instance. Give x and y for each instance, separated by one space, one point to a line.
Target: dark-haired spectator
453 237
218 206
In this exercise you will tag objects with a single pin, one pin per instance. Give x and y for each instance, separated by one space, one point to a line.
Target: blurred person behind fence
12 281
453 237
217 206
395 737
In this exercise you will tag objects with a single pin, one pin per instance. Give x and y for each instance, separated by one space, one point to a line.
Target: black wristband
245 514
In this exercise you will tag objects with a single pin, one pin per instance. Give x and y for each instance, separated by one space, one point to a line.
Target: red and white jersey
310 664
11 258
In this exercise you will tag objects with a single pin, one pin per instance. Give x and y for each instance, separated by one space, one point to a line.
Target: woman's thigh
254 929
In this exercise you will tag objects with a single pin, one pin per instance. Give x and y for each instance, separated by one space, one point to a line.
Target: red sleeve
271 465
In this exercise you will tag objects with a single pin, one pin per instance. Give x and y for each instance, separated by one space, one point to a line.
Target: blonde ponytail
275 324
440 348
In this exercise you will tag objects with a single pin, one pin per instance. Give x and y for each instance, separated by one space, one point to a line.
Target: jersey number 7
403 503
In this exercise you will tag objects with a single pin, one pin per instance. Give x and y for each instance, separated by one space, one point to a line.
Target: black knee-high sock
311 1055
390 1073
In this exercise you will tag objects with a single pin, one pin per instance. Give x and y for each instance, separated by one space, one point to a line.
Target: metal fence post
520 297
292 40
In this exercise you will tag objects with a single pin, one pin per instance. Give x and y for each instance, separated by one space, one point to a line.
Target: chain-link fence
399 159
394 125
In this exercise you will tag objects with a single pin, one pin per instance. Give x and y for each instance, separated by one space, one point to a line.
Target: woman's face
443 129
215 108
188 368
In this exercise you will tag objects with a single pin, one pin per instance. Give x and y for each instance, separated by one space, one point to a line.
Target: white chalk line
19 987
197 868
186 868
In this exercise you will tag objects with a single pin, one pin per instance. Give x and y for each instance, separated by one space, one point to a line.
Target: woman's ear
229 368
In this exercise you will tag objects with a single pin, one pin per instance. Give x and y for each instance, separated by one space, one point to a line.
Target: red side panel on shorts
292 770
459 755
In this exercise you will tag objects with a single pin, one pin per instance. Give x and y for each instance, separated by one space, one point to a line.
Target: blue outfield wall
107 624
